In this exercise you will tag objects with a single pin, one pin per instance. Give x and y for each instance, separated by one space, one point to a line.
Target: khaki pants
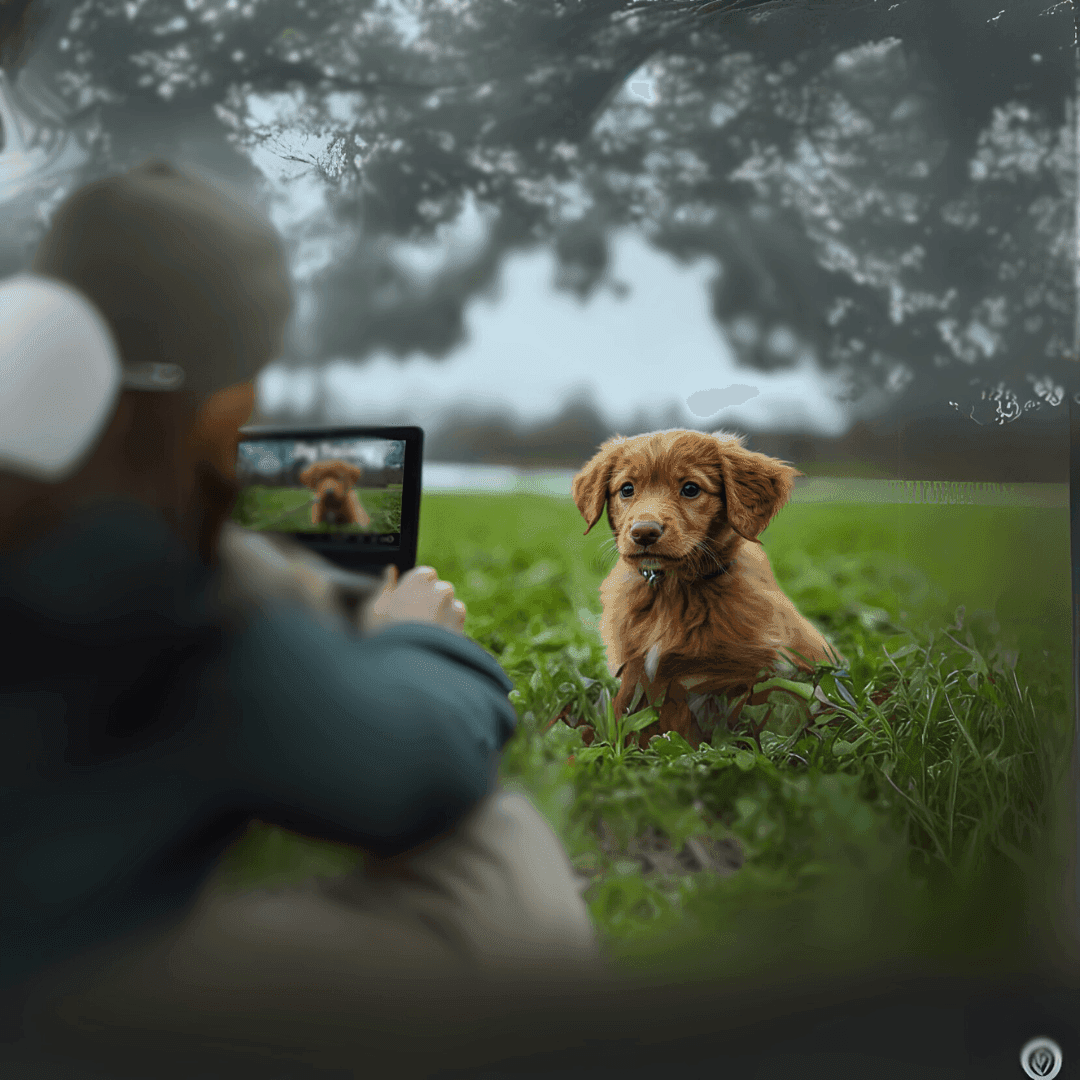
334 971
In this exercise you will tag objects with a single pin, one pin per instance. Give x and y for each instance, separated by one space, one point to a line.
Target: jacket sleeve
383 742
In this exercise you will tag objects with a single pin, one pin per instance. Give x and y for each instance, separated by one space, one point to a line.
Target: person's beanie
192 284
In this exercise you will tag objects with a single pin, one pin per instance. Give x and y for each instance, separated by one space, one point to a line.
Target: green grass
866 828
286 509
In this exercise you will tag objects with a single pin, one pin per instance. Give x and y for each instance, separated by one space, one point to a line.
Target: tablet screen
342 486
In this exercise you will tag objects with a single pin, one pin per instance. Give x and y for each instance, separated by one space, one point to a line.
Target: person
166 681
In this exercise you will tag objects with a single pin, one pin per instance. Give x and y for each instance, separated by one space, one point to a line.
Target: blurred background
845 231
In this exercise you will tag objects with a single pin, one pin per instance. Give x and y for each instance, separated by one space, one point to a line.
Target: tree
889 186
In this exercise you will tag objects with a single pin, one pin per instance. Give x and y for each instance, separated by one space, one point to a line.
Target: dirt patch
700 854
655 854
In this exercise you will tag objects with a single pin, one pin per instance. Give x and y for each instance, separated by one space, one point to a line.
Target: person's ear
218 422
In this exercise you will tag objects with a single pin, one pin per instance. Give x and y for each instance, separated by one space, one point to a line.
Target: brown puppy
692 601
335 501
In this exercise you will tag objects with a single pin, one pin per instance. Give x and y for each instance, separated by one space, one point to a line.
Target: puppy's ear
755 486
590 487
354 475
316 473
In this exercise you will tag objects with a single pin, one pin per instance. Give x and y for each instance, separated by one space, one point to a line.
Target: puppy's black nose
646 532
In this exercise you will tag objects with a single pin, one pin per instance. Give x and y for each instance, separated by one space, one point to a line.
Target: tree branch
20 21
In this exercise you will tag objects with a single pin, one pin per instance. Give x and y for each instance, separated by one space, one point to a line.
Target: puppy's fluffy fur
335 501
689 507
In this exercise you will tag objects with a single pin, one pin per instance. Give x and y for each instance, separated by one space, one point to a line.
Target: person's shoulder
254 569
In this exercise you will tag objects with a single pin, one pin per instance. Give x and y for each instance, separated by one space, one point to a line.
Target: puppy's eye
691 490
626 490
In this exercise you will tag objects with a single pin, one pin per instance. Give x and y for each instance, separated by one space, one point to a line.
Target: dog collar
652 577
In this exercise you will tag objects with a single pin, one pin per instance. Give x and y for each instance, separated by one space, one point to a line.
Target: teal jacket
143 727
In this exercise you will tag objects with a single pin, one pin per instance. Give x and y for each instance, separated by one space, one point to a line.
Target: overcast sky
530 348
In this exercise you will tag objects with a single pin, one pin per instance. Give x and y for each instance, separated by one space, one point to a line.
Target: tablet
350 494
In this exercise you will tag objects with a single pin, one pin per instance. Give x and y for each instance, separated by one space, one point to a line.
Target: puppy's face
331 480
675 499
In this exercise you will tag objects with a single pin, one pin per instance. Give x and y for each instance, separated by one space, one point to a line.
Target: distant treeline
928 442
938 446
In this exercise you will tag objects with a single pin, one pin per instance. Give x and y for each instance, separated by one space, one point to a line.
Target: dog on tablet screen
336 502
692 604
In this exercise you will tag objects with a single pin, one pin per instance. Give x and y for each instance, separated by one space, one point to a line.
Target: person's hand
418 597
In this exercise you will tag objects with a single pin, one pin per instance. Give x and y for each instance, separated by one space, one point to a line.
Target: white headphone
60 377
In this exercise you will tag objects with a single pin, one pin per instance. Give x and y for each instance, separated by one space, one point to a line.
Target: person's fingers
389 582
444 597
390 579
420 595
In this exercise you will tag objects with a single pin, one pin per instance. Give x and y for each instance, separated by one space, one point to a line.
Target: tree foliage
888 186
